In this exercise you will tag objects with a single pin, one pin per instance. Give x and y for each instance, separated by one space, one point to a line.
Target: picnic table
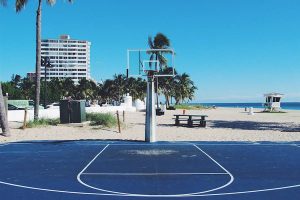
191 120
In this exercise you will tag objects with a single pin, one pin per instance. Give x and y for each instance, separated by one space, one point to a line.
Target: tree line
180 88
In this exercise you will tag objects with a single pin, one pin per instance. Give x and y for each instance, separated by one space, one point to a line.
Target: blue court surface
136 170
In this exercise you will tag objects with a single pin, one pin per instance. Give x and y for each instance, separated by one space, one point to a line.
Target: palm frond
20 4
51 2
161 41
162 60
150 42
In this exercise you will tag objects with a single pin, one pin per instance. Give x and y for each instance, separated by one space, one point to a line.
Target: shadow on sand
250 125
246 125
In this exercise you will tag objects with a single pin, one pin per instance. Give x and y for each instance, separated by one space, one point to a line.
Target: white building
68 57
272 101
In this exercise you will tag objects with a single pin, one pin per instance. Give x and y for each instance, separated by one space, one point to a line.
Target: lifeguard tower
272 103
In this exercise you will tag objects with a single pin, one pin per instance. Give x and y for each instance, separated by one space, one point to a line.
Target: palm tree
55 90
27 88
3 117
160 41
68 87
20 4
12 88
16 80
184 88
107 91
141 88
93 90
136 87
167 85
86 89
120 86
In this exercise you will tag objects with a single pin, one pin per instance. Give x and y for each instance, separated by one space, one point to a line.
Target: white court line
104 194
231 176
148 195
58 191
92 160
250 191
213 160
151 174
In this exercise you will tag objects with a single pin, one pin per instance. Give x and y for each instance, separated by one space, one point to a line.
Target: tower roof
273 94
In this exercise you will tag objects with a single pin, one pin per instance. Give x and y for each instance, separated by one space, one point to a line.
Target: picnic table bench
191 120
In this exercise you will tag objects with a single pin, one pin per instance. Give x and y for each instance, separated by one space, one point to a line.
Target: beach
223 124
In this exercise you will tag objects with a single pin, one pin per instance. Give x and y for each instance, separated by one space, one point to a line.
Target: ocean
284 105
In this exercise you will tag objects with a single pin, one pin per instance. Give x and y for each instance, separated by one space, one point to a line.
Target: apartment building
68 58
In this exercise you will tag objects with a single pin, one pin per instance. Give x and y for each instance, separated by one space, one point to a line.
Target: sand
223 124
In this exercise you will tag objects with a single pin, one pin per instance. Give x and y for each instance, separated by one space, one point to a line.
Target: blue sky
234 50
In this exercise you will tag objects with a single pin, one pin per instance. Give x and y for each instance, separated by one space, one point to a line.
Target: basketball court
138 170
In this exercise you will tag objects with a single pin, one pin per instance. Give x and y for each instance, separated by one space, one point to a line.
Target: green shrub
43 122
191 107
103 119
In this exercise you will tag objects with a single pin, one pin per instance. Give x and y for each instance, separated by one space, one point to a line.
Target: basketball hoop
140 62
145 62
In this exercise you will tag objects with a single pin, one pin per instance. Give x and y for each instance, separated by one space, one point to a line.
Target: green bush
103 119
43 122
191 107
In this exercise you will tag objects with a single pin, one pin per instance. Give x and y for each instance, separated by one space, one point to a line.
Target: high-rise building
69 58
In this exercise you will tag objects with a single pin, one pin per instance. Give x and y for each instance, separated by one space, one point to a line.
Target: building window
276 99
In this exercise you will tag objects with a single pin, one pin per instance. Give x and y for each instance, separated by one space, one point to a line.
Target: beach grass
192 107
42 122
102 119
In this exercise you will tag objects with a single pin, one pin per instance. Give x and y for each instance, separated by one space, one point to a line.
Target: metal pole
150 132
45 85
157 107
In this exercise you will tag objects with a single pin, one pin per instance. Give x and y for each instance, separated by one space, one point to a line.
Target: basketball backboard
159 61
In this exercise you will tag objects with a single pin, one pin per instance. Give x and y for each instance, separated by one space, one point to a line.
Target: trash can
77 114
251 111
64 111
159 112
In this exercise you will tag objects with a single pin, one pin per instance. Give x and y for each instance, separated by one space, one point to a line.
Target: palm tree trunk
38 61
3 118
167 100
